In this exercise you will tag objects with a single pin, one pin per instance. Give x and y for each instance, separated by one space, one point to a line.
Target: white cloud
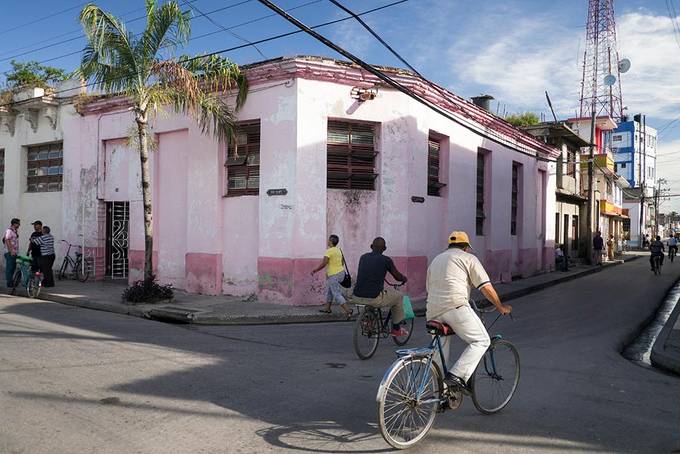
667 167
516 59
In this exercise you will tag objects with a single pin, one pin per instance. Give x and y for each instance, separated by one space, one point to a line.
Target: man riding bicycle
656 248
672 244
450 279
370 287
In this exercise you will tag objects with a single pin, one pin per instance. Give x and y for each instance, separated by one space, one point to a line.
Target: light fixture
364 91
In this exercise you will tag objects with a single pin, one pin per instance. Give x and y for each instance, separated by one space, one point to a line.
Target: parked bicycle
78 271
24 277
370 326
413 392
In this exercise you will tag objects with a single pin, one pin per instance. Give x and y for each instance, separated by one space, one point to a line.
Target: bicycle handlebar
395 285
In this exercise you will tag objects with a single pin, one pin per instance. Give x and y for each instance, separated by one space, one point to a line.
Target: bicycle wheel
34 286
62 269
80 274
16 281
408 400
496 378
408 324
366 333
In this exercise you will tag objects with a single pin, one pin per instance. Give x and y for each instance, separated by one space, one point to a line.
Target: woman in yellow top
335 273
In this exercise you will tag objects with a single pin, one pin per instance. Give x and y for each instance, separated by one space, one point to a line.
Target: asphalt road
74 380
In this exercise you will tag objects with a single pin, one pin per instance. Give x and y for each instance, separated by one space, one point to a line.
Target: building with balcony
570 202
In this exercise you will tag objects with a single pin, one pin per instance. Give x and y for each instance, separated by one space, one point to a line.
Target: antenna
624 65
550 105
609 80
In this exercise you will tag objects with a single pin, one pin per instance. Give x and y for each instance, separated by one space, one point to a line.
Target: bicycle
370 326
24 277
656 264
75 264
412 391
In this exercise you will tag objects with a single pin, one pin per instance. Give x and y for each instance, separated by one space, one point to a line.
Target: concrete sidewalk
230 310
666 349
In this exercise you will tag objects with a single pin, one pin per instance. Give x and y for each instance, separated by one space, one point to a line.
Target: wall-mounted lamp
364 91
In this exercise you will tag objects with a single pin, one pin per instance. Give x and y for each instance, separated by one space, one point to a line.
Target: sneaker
457 383
399 332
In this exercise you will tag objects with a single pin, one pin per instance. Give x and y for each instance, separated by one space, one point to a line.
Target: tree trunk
146 195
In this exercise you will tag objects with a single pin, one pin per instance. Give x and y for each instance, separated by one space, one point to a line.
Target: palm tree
118 62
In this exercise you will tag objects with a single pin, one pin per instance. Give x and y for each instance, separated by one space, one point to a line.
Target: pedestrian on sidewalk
598 245
333 261
46 260
33 248
561 260
11 242
610 248
370 287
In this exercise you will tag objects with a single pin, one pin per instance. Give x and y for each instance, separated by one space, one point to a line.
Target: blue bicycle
413 391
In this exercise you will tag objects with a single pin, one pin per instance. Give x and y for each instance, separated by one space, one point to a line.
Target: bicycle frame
384 323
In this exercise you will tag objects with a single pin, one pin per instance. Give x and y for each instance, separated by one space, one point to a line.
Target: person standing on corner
33 248
46 260
11 242
335 272
598 245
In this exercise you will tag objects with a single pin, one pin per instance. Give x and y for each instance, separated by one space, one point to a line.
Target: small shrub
147 291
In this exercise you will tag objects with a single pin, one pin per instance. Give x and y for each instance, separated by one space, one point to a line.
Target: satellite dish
610 80
624 65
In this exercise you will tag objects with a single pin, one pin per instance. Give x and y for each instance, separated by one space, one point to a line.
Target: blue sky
513 50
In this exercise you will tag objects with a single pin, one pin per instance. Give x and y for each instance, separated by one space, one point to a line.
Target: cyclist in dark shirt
370 287
34 249
656 248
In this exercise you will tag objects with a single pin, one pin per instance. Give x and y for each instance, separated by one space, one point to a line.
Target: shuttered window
243 160
45 165
434 185
514 199
480 213
351 155
2 170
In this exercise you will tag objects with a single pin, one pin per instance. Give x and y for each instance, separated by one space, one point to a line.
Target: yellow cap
458 237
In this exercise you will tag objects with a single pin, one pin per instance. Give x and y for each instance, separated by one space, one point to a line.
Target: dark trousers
10 266
651 260
35 263
46 262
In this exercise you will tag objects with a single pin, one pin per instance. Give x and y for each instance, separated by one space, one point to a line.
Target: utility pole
638 119
591 192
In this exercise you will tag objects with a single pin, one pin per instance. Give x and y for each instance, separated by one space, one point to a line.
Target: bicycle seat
438 328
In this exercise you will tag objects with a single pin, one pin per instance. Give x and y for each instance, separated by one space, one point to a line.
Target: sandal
325 311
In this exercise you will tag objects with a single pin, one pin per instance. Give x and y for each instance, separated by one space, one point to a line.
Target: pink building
311 159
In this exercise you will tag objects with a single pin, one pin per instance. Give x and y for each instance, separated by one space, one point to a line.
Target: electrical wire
40 19
229 49
394 84
222 27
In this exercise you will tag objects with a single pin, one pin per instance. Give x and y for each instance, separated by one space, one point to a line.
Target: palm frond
167 28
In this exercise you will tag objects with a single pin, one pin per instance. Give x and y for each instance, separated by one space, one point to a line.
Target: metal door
117 235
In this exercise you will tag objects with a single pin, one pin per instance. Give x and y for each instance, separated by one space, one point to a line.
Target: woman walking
335 272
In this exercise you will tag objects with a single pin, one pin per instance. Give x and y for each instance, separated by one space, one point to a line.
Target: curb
191 316
660 356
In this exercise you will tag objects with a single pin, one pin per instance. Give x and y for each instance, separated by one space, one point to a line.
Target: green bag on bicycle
408 309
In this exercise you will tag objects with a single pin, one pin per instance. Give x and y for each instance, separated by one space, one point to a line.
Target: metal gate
117 235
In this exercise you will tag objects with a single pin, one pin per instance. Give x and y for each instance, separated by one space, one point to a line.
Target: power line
221 27
76 38
394 84
40 19
260 41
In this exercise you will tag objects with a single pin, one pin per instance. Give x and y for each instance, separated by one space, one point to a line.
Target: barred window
434 184
45 165
243 160
2 170
351 155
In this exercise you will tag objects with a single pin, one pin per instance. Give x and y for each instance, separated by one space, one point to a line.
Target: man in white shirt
450 278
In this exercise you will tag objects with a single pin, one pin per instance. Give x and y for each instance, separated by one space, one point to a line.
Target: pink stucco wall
206 242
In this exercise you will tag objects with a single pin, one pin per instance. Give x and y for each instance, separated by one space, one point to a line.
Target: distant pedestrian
11 241
333 262
610 248
598 245
33 248
561 260
46 244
